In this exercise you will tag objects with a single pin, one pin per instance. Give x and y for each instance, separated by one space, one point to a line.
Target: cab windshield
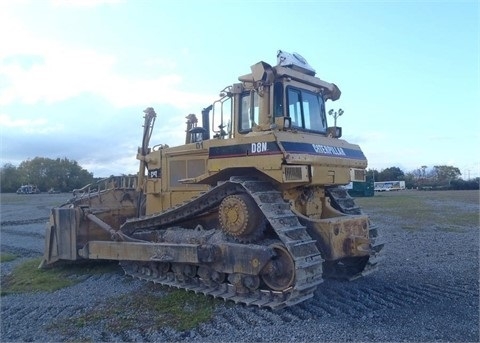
306 110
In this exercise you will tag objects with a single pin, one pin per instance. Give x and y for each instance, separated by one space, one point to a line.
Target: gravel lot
426 290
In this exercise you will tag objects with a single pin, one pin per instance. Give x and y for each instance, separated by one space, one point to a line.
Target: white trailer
386 186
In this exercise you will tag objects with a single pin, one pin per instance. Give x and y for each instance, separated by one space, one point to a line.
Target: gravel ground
426 290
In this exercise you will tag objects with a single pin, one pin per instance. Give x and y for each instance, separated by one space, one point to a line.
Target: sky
76 75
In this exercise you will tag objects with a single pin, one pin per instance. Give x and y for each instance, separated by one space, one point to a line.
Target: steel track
293 235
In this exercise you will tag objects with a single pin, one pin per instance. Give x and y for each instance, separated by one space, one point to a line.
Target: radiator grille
358 175
295 173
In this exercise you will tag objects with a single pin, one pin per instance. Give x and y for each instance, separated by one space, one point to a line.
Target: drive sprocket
241 218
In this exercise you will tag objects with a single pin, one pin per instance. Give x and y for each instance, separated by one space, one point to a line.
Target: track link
293 235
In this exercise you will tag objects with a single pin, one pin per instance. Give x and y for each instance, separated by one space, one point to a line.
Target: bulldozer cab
285 97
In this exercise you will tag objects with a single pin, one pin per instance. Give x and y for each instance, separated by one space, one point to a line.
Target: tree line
438 177
59 174
64 175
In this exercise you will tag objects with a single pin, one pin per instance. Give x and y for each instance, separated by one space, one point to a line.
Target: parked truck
386 186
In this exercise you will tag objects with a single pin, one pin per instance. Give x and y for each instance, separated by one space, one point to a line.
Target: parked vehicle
386 186
28 189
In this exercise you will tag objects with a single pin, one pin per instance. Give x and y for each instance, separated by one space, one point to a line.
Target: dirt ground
427 288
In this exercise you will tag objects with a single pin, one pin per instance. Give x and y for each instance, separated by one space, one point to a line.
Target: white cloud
123 92
61 70
64 73
37 125
67 71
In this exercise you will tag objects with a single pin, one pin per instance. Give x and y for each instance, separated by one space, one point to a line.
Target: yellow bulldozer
251 209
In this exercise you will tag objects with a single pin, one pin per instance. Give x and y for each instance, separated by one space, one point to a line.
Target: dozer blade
60 236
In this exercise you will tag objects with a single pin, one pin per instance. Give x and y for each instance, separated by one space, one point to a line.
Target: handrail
109 183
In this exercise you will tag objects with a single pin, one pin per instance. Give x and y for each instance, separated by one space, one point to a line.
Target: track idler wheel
279 272
241 218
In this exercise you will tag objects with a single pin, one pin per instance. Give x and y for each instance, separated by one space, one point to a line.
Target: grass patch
146 311
7 257
465 219
27 278
417 210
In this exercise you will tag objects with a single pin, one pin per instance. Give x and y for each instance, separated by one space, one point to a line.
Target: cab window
278 99
249 111
306 110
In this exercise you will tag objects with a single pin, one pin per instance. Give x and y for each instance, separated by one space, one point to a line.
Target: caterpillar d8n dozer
250 209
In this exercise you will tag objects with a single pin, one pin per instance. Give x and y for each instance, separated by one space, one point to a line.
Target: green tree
61 174
445 174
391 174
9 178
462 184
35 172
411 180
